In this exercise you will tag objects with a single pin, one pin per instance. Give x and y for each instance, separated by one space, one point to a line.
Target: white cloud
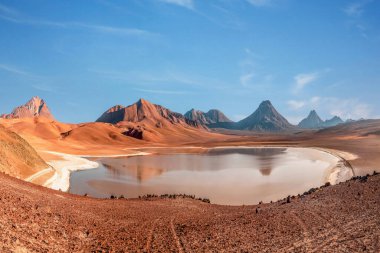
296 105
260 2
315 100
301 80
356 9
183 3
246 79
346 108
349 108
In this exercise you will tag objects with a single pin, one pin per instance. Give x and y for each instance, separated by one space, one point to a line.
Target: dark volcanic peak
213 116
312 121
35 107
265 118
144 111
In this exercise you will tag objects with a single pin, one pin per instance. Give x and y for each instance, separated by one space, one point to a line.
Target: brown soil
342 218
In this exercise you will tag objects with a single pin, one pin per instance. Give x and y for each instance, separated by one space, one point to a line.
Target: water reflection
226 176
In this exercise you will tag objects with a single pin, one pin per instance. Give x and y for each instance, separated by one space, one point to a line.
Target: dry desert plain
339 218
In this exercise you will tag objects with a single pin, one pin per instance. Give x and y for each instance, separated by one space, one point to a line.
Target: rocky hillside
17 157
35 107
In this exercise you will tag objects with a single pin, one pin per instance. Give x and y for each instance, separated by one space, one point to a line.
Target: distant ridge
333 121
213 116
35 107
313 121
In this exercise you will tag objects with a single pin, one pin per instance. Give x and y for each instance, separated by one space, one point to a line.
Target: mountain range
313 121
145 120
265 119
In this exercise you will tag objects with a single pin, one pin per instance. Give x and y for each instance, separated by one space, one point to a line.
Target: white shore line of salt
70 163
341 172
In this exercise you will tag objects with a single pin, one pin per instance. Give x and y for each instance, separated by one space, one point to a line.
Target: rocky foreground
342 218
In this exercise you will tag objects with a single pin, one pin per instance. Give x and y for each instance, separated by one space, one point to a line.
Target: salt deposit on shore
69 163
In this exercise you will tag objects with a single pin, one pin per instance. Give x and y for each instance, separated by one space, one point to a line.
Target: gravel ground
341 218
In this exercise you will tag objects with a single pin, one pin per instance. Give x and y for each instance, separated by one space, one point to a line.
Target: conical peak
266 103
313 113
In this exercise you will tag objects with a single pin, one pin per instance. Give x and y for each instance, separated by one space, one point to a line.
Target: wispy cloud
260 3
246 79
252 75
146 78
14 16
301 80
43 87
356 20
15 70
183 3
8 10
163 92
356 9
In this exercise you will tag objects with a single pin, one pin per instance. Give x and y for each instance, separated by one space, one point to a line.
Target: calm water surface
232 176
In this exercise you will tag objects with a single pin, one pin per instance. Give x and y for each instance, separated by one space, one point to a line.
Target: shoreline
339 172
70 163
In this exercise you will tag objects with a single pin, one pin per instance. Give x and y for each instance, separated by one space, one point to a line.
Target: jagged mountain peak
35 107
213 116
146 112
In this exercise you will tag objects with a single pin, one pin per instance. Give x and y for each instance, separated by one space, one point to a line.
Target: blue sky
83 57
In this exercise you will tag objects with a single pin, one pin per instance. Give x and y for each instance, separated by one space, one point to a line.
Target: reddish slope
154 123
17 157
